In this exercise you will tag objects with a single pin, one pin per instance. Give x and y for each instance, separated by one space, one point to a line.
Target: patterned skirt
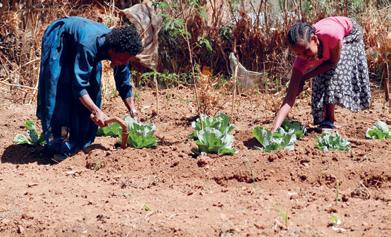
347 84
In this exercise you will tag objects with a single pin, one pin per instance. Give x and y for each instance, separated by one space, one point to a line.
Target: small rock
20 229
345 198
293 195
338 229
32 185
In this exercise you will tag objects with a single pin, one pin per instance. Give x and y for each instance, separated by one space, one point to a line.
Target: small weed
146 208
335 220
284 217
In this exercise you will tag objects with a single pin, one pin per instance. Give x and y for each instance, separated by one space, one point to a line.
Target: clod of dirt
374 181
175 163
94 164
345 198
20 229
272 157
361 192
202 161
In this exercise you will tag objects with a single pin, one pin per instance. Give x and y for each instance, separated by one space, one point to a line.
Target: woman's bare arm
293 91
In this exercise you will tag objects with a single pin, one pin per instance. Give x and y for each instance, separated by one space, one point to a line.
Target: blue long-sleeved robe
72 51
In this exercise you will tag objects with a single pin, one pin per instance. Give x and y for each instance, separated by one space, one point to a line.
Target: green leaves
379 131
33 138
211 140
204 42
220 122
281 139
140 135
112 130
332 141
296 126
213 134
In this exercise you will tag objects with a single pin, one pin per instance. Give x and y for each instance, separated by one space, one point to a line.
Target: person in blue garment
69 91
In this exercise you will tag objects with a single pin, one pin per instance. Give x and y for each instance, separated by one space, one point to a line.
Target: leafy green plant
140 135
280 139
221 122
213 134
33 138
211 140
332 141
296 126
204 42
111 130
379 131
335 220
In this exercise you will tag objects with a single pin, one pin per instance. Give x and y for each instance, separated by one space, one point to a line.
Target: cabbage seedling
379 131
140 135
280 139
32 137
332 141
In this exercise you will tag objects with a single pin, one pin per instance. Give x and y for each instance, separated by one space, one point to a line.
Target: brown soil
167 191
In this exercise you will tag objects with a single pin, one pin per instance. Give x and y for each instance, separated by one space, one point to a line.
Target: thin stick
386 81
17 85
234 92
157 93
20 67
34 92
186 36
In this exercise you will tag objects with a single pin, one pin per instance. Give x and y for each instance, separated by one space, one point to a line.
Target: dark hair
124 39
298 31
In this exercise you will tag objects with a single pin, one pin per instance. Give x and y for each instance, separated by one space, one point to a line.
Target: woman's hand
99 118
296 85
133 111
129 103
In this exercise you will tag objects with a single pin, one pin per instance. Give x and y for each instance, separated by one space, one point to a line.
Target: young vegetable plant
296 126
211 140
140 135
332 141
281 139
379 131
335 220
220 122
33 138
213 134
111 130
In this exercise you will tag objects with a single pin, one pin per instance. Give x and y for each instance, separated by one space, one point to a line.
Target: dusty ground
168 192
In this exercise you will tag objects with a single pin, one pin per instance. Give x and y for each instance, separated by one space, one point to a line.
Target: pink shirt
330 31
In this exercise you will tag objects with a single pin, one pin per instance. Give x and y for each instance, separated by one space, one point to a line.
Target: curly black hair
124 39
298 31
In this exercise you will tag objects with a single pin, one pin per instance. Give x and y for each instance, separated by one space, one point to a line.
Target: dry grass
21 32
209 97
226 27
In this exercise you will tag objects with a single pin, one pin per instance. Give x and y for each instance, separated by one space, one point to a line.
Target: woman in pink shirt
332 50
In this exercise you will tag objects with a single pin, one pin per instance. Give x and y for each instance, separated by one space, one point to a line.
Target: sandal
327 124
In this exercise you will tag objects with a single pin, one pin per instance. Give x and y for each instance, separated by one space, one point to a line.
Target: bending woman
69 94
332 51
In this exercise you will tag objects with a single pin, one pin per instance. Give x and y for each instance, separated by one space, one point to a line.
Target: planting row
214 135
